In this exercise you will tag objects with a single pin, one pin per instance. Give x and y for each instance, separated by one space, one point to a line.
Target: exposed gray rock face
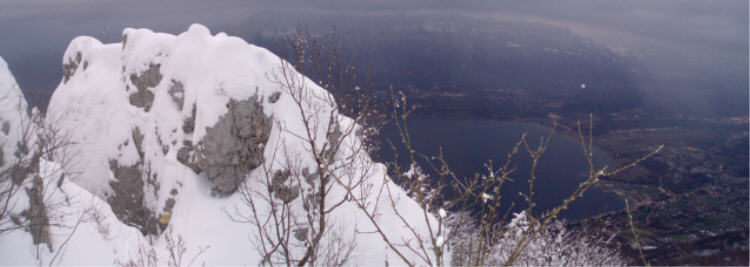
279 178
177 92
20 172
235 144
334 141
186 156
127 200
138 141
164 147
300 234
129 190
308 176
6 128
274 97
36 214
70 68
143 98
282 191
188 126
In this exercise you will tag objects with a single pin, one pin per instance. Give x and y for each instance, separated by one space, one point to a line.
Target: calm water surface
469 143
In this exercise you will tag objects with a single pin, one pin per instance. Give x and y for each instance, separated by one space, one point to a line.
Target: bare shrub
176 250
291 201
37 168
144 256
290 205
481 193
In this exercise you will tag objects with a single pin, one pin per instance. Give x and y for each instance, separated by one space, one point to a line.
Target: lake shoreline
561 167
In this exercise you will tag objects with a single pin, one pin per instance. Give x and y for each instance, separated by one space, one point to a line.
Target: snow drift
165 129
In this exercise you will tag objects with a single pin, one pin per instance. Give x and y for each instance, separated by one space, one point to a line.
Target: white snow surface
73 243
94 109
13 116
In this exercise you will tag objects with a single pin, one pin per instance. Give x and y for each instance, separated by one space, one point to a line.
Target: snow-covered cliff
13 116
165 131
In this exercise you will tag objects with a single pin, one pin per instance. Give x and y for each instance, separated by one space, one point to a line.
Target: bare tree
36 168
292 200
482 193
17 169
291 205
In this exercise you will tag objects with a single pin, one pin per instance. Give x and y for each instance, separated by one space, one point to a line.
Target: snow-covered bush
553 246
476 232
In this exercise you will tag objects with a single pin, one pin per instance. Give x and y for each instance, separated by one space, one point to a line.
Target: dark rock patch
143 98
308 176
334 141
19 172
152 179
274 97
129 189
186 156
234 145
166 216
169 205
279 178
6 127
138 141
188 126
70 68
300 233
177 91
282 191
36 214
147 79
127 201
164 147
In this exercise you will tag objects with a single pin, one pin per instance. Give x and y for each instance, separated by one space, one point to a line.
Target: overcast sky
699 22
709 37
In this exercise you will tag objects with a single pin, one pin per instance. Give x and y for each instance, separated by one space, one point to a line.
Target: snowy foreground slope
162 127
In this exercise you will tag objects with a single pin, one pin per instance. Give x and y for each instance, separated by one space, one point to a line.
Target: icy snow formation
13 116
165 129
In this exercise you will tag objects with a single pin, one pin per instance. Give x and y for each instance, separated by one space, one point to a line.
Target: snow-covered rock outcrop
14 118
165 129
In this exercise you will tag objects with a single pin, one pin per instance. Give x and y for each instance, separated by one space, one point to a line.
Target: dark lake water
469 143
